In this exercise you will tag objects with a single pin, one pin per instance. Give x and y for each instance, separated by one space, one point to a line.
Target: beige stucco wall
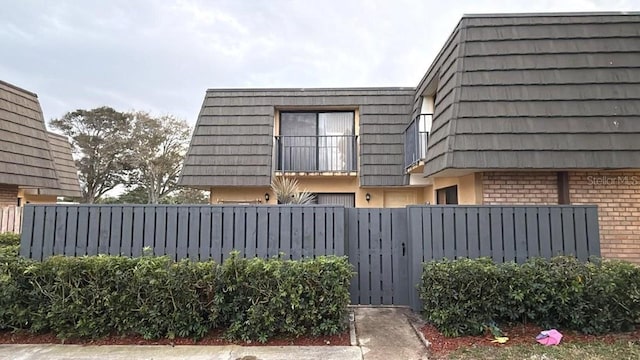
27 196
379 196
469 188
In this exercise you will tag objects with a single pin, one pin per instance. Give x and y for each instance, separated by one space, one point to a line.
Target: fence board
72 228
11 218
354 254
364 272
375 242
61 230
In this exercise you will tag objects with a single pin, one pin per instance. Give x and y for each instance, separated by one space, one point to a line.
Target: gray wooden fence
193 232
386 246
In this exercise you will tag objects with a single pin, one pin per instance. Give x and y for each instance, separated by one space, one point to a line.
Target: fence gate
378 251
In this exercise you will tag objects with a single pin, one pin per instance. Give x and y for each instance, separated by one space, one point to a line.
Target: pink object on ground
549 337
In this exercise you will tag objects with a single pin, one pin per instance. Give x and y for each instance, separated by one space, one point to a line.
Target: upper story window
316 142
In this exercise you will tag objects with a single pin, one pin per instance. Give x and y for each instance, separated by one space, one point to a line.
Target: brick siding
617 194
520 188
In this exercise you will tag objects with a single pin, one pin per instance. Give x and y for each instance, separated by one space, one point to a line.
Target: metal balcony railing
416 138
331 153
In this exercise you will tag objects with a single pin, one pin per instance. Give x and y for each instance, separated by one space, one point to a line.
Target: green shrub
156 297
9 239
462 296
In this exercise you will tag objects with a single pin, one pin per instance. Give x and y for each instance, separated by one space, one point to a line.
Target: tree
187 196
158 147
100 142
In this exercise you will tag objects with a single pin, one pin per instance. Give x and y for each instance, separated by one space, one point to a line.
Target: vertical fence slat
520 234
285 231
171 242
365 256
61 230
137 240
533 239
557 245
251 232
274 231
228 231
375 241
193 237
497 248
435 219
297 231
182 233
484 231
386 269
448 232
216 234
460 232
205 233
239 230
568 231
580 226
49 231
71 236
105 230
307 231
339 232
319 236
593 231
508 236
159 240
473 238
262 246
544 233
115 238
354 253
149 235
30 226
126 243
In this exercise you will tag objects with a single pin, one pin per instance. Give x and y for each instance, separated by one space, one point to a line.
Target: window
448 195
316 141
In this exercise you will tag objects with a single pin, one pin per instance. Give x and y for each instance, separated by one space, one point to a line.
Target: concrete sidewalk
190 352
385 333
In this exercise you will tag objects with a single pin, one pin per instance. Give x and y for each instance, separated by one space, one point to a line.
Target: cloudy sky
160 56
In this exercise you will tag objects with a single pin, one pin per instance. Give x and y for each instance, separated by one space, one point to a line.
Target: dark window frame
450 194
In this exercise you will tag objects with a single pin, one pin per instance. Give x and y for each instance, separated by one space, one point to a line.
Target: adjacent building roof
25 155
65 168
232 144
536 91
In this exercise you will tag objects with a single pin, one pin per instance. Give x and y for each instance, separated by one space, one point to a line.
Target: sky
161 55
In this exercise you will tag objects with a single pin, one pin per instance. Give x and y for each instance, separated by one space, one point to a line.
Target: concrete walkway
385 333
190 352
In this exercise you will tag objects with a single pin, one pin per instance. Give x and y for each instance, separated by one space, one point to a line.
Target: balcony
316 154
416 138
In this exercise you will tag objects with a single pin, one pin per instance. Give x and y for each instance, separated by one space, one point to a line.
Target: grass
593 350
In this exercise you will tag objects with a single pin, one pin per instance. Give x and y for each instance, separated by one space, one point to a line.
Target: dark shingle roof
25 155
543 91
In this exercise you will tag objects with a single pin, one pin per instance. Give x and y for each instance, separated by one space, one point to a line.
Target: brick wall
617 195
8 195
519 188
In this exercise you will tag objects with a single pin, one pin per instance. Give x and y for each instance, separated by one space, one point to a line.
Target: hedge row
9 244
461 297
253 299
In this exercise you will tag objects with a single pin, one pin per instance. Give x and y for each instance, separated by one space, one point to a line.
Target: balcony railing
416 138
331 153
